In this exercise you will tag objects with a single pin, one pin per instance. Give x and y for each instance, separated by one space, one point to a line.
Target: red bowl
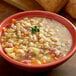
42 67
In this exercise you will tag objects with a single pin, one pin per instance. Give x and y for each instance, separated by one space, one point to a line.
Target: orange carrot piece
3 29
34 62
43 62
56 58
15 49
27 34
14 20
52 55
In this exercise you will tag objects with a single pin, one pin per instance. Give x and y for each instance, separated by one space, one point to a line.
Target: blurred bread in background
52 5
71 8
49 5
25 4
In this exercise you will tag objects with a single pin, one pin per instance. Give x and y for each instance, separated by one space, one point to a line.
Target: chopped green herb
35 26
37 30
34 29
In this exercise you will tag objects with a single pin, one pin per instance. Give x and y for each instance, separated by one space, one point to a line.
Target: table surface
66 69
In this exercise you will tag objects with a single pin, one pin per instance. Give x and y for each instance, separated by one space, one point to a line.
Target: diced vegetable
23 30
14 20
52 55
13 55
43 62
27 34
35 50
57 52
38 61
15 48
10 45
8 50
34 62
52 50
20 51
3 29
45 57
55 58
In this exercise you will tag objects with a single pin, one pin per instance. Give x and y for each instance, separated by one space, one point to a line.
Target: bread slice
52 5
25 4
71 8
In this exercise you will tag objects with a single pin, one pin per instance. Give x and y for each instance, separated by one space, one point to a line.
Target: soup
36 40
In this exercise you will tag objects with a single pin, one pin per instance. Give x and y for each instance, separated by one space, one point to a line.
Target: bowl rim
42 65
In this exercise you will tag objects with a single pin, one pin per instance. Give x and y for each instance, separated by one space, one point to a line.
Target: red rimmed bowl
42 67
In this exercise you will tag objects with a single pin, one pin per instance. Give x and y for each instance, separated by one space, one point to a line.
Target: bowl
50 15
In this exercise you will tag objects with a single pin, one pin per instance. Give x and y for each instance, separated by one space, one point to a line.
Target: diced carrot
27 34
52 50
15 49
52 55
3 29
43 62
14 20
34 62
55 58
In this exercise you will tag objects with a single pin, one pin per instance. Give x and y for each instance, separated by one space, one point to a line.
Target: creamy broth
36 40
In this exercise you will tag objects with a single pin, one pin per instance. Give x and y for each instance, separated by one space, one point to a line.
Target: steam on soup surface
36 40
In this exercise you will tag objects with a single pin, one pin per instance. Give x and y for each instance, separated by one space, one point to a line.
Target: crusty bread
52 5
25 4
71 8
